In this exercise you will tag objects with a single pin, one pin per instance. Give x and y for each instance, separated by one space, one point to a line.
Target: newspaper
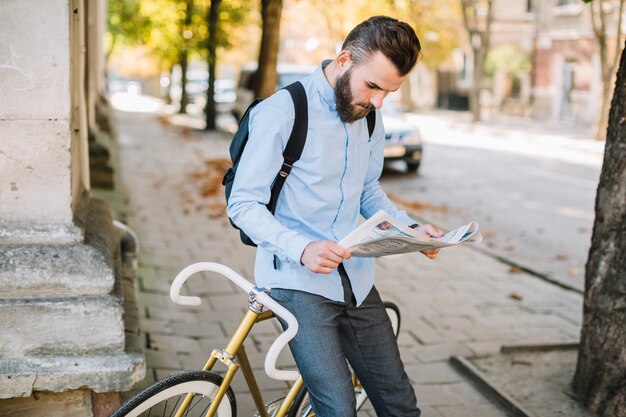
382 235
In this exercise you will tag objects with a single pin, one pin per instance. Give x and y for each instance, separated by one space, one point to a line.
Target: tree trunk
607 65
600 378
267 77
478 26
210 110
477 80
183 55
184 98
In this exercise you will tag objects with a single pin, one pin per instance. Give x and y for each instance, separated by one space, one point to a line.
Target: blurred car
403 141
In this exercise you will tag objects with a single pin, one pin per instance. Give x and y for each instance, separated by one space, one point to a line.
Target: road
531 188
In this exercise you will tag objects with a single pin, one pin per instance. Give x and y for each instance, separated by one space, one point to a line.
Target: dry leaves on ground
417 206
207 182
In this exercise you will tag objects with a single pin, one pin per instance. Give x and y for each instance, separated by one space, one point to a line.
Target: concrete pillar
36 201
65 313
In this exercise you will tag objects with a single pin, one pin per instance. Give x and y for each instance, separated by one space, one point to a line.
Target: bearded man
332 295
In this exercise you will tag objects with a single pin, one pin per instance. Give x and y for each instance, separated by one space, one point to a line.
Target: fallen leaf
515 296
417 205
514 269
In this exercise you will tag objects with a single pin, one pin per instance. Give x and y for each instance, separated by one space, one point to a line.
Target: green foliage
126 24
166 27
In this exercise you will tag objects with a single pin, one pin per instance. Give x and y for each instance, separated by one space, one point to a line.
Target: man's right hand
322 256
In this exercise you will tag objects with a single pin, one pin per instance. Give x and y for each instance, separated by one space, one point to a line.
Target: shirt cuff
296 247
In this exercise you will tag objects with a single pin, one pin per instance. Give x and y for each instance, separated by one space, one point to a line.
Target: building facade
67 318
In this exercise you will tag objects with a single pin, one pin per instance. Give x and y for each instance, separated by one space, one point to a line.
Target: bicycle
206 393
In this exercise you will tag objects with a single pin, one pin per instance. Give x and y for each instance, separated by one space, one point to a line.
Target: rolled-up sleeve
269 126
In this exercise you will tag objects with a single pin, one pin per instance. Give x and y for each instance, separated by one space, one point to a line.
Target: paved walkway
464 303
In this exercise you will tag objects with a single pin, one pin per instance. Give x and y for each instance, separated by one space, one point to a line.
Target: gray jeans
331 332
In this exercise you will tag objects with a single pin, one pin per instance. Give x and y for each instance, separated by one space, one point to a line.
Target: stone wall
67 316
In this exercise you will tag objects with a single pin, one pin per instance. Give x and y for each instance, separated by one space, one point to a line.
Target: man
340 313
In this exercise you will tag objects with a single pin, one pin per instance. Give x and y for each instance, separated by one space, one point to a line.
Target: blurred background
547 60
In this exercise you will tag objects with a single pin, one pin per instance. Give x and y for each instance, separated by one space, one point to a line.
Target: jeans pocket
281 295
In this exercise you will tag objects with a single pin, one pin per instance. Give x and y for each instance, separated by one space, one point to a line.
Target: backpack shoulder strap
371 121
295 143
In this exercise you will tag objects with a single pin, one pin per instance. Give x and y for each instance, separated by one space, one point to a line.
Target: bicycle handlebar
263 298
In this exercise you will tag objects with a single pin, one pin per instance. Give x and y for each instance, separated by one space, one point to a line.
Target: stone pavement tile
154 285
196 360
483 348
470 411
229 303
449 322
440 352
431 395
174 343
157 326
161 373
427 411
163 359
465 393
480 333
201 328
173 314
423 333
547 336
206 283
432 373
145 299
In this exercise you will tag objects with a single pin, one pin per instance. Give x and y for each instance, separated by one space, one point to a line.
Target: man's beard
348 112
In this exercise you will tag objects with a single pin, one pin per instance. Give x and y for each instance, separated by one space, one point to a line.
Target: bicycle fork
235 351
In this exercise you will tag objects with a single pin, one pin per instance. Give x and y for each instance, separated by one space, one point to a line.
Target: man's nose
377 99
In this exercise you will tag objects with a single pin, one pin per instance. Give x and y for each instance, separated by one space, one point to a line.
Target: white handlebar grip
282 340
200 267
178 284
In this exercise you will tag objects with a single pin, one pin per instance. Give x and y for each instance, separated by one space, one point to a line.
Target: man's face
362 88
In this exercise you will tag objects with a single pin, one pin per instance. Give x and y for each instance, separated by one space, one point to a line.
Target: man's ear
344 59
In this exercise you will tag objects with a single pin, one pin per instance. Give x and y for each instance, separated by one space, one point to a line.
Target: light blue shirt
335 179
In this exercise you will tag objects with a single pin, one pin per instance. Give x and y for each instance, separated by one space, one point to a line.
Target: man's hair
394 38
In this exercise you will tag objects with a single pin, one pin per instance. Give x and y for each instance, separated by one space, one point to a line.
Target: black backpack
292 152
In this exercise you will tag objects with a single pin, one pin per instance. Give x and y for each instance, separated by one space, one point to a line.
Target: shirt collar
324 87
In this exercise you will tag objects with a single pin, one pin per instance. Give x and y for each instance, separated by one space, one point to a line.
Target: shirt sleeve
373 198
270 125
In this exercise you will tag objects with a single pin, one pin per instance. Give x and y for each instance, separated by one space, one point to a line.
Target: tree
607 65
267 77
477 18
212 22
183 53
600 379
125 24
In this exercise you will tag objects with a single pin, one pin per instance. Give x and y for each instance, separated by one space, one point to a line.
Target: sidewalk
463 303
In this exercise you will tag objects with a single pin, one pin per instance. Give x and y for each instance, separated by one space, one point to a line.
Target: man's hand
432 231
322 256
